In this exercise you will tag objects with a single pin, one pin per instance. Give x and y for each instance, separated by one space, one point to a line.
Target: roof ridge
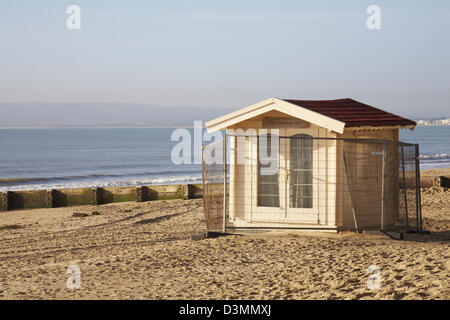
322 100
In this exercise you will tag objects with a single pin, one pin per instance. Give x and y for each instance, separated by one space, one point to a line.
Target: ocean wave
33 180
434 165
107 183
441 156
168 176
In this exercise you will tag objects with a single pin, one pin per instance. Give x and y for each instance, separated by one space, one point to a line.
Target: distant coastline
145 127
102 115
434 122
98 127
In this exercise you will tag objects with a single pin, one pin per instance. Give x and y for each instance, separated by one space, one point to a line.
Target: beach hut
328 164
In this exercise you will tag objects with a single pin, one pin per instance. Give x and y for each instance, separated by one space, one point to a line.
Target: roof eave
279 105
411 127
231 118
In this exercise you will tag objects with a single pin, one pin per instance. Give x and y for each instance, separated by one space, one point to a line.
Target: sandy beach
144 251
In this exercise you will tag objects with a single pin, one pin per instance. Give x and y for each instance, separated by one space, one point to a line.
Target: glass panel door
301 171
268 180
269 184
302 176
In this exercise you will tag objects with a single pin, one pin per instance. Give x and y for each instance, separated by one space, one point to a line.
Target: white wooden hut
314 187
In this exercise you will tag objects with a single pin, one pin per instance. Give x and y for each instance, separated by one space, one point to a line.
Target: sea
107 157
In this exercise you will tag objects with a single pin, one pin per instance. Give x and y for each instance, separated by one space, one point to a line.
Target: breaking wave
442 156
92 181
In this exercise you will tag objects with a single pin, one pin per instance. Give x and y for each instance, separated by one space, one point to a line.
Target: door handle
287 174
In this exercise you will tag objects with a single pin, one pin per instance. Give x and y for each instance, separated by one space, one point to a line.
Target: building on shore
338 165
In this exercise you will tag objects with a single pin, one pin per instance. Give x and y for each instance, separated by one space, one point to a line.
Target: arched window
301 170
268 172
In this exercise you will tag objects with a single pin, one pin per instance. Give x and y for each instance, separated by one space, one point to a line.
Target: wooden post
224 229
444 182
404 187
49 198
418 196
383 186
140 194
350 190
186 191
4 201
95 196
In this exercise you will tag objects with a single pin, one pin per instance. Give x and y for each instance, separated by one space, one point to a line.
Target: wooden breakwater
32 199
54 198
435 181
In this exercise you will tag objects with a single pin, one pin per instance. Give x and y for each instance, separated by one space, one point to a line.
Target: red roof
353 113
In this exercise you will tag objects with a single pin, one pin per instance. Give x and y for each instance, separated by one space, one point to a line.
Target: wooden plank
350 191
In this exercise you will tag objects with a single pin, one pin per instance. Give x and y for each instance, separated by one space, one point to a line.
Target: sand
435 172
144 251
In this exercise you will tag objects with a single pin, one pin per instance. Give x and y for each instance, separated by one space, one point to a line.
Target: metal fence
214 176
314 183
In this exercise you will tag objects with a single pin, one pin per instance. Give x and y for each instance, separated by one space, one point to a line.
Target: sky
227 54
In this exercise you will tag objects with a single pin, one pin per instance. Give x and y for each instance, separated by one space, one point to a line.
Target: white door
290 193
302 176
269 185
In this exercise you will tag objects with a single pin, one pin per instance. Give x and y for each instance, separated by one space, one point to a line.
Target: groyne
54 198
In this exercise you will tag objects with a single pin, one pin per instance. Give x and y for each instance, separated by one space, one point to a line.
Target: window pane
301 166
268 185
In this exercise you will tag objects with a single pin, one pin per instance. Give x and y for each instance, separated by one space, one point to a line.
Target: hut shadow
433 236
117 221
157 219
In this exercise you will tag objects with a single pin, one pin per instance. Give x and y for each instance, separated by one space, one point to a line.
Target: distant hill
102 115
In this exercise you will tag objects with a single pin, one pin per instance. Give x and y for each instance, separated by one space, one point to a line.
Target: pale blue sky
227 53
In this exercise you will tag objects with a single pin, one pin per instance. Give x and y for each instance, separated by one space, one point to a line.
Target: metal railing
316 183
